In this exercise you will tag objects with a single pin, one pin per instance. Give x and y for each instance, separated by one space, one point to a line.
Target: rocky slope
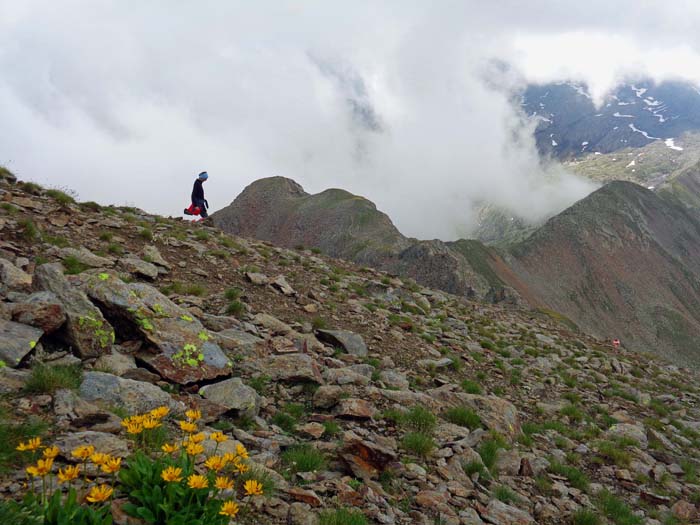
423 407
344 225
633 115
622 262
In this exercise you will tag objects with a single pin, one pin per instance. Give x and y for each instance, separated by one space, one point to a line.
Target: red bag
192 210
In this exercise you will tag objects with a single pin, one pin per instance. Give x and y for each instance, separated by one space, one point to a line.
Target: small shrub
342 517
419 419
505 494
331 428
31 187
576 478
106 236
201 235
73 265
9 208
29 231
57 240
319 323
48 379
115 249
195 289
90 206
471 387
60 197
574 413
614 452
146 234
235 308
585 517
304 458
616 510
232 294
463 416
418 443
488 451
259 383
474 467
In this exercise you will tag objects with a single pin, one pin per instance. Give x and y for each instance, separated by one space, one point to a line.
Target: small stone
234 395
355 409
351 342
133 396
281 284
257 278
139 267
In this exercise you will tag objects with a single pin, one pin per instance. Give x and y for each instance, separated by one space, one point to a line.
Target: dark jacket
197 191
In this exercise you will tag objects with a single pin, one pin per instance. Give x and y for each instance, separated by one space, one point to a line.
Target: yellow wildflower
151 423
188 427
223 483
69 474
241 451
169 449
229 508
253 488
32 471
172 474
194 448
112 465
197 438
83 452
219 437
100 458
193 415
197 481
242 468
51 452
32 444
100 493
43 467
134 427
160 412
230 457
215 463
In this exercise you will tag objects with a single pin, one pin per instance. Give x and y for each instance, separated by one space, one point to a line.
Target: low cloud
126 103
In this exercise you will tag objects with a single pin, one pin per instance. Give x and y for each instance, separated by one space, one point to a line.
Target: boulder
151 253
12 277
498 513
628 431
355 409
234 395
133 396
41 310
185 352
139 267
351 342
17 341
86 257
293 368
86 329
281 284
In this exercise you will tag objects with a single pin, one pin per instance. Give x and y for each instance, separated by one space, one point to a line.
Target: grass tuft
47 379
304 458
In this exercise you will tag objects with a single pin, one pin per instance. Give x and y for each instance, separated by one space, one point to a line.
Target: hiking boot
187 211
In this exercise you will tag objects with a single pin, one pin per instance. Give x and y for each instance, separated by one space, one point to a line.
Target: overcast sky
399 101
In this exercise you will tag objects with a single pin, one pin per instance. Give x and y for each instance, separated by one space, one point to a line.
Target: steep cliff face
621 263
344 225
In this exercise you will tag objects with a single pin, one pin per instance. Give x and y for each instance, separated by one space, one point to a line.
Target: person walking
198 200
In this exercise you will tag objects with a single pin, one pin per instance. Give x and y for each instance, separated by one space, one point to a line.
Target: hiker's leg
202 209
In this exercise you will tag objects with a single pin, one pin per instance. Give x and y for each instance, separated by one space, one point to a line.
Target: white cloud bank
126 101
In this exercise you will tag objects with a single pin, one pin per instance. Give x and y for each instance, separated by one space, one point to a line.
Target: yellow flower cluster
43 467
136 424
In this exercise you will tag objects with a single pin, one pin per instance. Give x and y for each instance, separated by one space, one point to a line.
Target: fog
409 104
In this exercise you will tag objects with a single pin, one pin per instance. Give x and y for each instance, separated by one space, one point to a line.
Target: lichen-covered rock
185 352
86 329
41 310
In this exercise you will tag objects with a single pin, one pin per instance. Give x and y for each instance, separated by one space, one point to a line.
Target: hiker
198 200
